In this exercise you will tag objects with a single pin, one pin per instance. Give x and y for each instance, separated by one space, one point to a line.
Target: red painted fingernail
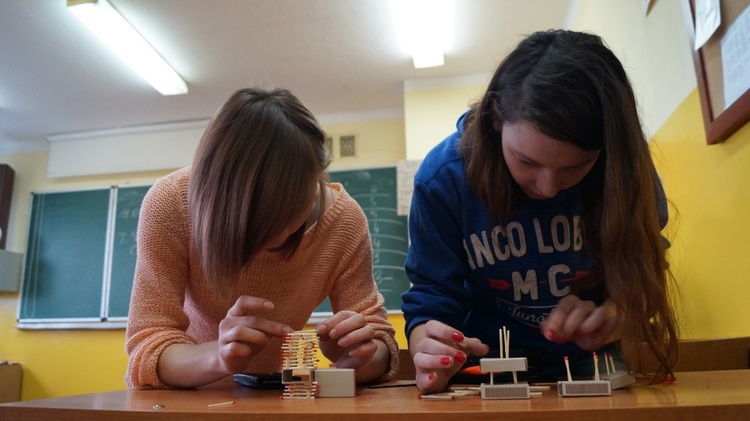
457 336
445 361
549 334
431 376
460 357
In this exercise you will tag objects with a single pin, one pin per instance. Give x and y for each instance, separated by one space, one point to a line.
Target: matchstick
506 333
567 368
214 405
501 343
606 362
507 352
436 397
596 367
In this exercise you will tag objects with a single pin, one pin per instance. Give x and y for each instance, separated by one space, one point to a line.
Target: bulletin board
720 120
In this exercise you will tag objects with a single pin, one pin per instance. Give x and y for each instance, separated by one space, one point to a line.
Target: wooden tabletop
713 396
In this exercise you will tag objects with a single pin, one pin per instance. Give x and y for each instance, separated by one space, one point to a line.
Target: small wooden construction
513 390
301 376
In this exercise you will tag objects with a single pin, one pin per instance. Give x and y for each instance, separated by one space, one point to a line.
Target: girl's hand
347 340
582 322
439 351
243 332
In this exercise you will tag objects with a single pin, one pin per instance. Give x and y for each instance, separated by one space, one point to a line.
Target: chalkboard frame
123 238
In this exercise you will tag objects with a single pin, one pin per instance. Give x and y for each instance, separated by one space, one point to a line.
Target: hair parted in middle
572 88
259 165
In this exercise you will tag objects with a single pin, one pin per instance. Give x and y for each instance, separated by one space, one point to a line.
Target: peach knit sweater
172 302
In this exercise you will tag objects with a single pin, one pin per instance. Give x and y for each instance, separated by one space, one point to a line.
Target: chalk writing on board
124 247
127 237
375 190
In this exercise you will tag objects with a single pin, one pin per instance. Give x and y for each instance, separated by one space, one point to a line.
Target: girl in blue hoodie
543 214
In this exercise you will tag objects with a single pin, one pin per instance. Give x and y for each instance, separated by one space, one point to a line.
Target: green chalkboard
375 189
65 256
124 249
80 257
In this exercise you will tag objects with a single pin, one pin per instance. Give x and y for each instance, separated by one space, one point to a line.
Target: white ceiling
341 57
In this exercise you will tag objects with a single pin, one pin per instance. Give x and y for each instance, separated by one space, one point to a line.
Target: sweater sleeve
355 288
156 318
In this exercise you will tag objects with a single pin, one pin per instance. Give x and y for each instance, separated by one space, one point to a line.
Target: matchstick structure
513 390
298 364
618 379
595 387
300 374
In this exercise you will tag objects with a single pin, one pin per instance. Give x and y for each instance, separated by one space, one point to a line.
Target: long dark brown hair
571 87
258 166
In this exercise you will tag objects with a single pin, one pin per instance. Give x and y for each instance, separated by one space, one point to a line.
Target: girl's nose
547 184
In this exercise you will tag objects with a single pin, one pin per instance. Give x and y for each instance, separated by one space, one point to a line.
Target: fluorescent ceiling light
104 21
425 28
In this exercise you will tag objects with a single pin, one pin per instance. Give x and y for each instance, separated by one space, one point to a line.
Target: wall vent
347 147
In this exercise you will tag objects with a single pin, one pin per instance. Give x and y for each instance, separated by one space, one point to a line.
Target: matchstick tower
600 385
513 390
618 379
298 364
300 374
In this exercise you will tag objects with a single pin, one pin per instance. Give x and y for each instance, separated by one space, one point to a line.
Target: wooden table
713 396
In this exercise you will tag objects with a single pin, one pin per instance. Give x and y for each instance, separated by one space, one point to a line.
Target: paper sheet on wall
735 58
707 19
405 170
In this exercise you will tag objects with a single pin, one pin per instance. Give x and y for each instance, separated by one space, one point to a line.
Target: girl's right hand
244 332
439 353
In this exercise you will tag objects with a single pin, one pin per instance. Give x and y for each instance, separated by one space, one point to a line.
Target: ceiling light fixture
104 21
425 28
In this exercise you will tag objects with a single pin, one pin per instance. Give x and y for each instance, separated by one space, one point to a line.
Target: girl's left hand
347 340
583 322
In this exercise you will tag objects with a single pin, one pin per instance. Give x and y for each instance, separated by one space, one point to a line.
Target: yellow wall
431 114
709 187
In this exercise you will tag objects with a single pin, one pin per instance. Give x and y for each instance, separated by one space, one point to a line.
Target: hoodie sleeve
436 262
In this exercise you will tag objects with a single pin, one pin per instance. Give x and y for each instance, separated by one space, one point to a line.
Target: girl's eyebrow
526 158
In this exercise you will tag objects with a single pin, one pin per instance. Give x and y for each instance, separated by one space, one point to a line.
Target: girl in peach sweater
240 248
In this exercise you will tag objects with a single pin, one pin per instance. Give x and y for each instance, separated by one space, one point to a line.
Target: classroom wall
707 184
432 108
710 196
654 49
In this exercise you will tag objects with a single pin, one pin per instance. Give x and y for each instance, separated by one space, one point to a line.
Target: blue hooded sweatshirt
478 276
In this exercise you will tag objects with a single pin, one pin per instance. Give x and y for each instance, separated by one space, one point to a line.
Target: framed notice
722 67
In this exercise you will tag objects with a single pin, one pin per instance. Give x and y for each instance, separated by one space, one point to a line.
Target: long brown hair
571 87
258 166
